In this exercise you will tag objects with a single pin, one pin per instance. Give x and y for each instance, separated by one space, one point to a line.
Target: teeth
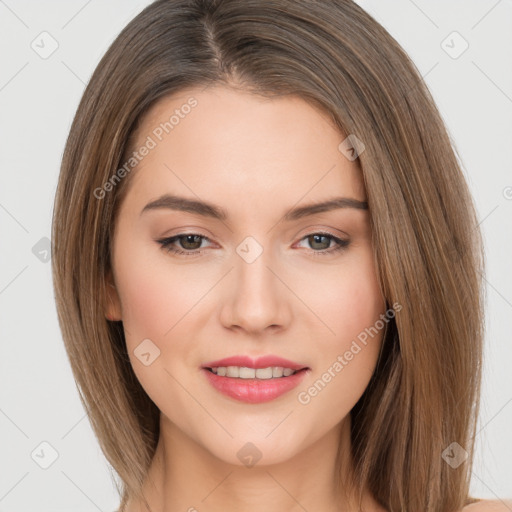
242 372
277 371
233 371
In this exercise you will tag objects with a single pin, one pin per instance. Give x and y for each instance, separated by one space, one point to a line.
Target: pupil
315 237
187 239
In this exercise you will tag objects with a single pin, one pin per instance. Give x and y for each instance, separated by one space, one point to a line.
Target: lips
254 390
260 362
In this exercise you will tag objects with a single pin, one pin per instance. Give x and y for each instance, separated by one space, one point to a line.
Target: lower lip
254 391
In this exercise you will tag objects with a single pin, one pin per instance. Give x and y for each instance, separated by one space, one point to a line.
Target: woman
265 253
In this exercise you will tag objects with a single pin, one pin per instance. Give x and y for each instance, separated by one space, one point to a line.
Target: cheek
148 304
157 304
347 352
346 298
155 295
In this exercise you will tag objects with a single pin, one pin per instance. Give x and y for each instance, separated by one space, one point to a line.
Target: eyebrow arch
183 204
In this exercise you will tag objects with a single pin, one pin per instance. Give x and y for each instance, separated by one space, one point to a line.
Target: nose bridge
252 272
257 298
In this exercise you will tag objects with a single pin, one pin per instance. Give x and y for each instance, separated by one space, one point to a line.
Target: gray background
38 98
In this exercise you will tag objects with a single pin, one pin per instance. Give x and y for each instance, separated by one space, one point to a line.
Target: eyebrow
183 204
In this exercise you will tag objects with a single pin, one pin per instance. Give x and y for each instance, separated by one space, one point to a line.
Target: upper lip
260 362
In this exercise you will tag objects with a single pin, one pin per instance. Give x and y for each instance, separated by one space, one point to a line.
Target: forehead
224 144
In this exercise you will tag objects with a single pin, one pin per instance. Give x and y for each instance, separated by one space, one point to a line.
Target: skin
256 158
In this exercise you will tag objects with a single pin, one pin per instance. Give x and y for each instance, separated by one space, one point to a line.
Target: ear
112 302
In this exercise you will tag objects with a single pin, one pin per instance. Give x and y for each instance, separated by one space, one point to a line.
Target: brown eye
189 243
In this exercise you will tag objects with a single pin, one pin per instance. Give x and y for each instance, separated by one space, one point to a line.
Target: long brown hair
424 394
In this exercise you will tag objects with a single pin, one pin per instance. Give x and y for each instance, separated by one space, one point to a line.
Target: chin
252 450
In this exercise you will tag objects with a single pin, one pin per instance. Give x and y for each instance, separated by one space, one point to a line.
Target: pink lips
254 390
260 362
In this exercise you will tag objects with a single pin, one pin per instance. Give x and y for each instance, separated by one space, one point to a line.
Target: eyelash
166 244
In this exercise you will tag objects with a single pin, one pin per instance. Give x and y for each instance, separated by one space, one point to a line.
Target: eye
323 241
189 241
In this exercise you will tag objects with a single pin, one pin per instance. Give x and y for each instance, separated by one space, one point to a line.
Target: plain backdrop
38 97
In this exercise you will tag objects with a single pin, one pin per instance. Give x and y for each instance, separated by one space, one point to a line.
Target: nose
257 298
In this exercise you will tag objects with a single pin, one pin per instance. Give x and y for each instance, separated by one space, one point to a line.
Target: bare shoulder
489 506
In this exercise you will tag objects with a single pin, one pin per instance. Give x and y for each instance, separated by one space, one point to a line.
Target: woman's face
261 277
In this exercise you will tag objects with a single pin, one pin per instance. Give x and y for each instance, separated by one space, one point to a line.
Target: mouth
244 372
254 381
248 363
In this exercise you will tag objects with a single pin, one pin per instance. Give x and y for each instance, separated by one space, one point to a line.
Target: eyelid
315 229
